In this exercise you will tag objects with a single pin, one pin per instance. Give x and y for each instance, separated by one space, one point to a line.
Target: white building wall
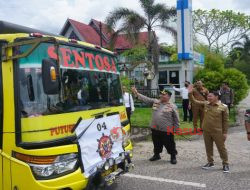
69 31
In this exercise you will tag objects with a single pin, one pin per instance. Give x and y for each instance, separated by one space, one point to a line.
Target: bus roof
10 31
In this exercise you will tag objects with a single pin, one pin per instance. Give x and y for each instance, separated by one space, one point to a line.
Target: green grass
142 117
232 116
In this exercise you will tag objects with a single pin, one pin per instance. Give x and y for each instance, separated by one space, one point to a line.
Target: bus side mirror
50 77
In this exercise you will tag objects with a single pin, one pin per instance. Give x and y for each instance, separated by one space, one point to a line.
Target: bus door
1 121
1 169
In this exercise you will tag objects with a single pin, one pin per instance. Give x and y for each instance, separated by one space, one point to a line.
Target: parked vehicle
50 87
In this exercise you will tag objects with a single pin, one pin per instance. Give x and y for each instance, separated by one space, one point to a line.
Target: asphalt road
187 174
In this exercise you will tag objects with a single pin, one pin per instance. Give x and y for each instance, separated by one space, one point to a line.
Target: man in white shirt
185 101
128 102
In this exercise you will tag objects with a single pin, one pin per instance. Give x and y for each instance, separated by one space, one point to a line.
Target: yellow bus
50 85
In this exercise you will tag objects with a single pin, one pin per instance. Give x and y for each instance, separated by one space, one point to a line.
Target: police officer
227 95
215 125
164 116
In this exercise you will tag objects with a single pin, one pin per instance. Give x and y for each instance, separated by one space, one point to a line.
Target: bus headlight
48 167
55 169
106 166
111 161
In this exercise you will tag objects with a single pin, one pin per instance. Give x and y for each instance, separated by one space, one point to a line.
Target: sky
50 15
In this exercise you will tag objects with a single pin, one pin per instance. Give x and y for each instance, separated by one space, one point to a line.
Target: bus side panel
6 172
20 173
1 123
1 170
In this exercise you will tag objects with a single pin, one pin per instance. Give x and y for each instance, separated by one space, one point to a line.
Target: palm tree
242 49
155 15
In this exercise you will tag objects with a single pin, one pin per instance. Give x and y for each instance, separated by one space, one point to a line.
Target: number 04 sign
102 140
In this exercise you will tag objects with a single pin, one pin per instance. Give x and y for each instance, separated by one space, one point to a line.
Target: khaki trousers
198 112
218 138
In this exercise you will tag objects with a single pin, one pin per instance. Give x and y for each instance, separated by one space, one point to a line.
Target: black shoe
155 157
226 169
173 159
208 166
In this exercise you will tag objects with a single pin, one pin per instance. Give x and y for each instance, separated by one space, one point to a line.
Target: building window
174 77
163 77
163 58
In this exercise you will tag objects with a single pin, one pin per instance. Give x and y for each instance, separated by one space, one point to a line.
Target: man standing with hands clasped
215 125
164 116
200 93
129 102
185 101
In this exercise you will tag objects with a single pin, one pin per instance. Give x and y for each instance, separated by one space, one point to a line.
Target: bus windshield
89 79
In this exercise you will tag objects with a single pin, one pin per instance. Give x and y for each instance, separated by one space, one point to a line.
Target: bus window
80 89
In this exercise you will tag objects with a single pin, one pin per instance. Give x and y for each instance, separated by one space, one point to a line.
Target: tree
214 61
242 48
135 56
239 57
155 15
236 80
220 28
214 73
171 50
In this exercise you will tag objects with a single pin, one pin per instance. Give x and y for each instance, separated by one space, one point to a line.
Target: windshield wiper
101 113
79 121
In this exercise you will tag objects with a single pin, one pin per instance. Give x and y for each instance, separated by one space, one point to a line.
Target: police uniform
227 97
198 110
215 124
164 115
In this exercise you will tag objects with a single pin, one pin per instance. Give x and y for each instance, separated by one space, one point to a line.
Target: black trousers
128 110
186 111
161 139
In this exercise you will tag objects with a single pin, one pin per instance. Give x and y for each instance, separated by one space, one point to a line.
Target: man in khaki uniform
247 123
164 116
215 125
200 93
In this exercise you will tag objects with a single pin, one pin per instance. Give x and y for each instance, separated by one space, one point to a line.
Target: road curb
140 137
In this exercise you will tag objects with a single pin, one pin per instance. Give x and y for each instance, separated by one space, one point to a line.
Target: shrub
244 67
237 81
213 80
125 81
214 62
214 73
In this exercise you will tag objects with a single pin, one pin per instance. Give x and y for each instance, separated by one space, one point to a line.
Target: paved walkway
187 174
241 108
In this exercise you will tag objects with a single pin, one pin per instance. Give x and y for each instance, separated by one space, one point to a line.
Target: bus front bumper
22 177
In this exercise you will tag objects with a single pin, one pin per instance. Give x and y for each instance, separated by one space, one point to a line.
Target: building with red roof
97 33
